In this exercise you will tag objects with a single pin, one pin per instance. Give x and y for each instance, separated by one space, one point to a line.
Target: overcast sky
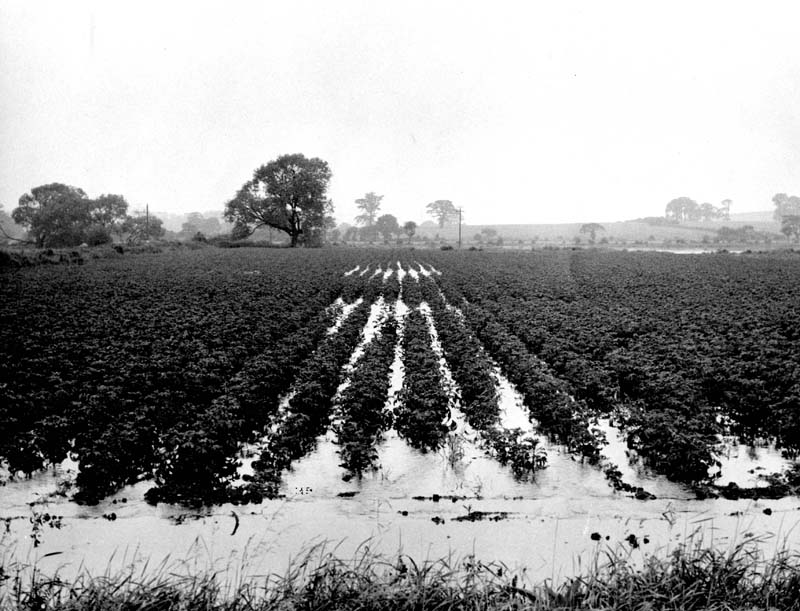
520 112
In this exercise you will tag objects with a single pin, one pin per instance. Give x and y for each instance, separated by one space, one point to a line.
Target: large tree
287 194
9 229
724 210
55 215
592 229
785 205
197 223
683 209
442 210
790 226
62 215
387 226
410 228
369 205
109 210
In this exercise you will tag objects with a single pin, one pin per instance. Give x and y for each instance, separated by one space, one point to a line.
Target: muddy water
747 465
344 310
548 525
633 471
397 372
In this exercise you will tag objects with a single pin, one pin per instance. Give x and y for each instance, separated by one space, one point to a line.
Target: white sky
518 111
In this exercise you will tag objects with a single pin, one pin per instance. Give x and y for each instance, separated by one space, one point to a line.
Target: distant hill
620 233
763 216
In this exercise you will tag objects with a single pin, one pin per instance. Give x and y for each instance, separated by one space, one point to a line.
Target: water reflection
551 517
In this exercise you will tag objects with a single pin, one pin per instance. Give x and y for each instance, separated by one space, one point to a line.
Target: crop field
245 377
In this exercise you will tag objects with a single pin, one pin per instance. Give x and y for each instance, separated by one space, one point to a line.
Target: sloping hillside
619 232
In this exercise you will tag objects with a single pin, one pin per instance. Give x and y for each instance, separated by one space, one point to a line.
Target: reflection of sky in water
551 514
547 530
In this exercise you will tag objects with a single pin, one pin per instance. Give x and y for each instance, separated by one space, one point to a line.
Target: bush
97 235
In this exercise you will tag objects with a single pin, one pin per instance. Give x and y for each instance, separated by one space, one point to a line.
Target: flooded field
426 505
402 407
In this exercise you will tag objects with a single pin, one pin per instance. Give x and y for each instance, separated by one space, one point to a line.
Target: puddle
551 523
378 314
401 273
345 309
249 453
42 487
397 371
746 465
634 472
352 271
448 383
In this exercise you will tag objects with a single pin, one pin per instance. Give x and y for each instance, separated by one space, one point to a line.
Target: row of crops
165 367
682 350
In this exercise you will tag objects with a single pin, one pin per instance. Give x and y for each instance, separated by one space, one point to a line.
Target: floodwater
690 251
543 523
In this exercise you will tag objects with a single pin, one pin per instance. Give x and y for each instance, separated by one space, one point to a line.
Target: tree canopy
109 210
785 205
442 210
410 228
591 229
686 209
369 205
8 228
142 227
790 226
287 194
196 223
62 215
387 226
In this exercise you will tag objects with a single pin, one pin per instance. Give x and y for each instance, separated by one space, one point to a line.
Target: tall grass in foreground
688 578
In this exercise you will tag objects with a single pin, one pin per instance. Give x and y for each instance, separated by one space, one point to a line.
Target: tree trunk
294 239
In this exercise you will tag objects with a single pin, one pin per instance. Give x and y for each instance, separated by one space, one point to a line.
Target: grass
689 578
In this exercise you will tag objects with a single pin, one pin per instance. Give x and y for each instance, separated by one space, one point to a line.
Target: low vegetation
164 367
688 579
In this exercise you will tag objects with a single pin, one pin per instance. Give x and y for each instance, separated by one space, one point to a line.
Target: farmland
457 387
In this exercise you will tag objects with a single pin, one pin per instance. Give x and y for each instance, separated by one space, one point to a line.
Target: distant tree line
369 226
683 209
787 211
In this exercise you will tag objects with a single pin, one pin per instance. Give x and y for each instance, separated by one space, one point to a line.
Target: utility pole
459 228
147 220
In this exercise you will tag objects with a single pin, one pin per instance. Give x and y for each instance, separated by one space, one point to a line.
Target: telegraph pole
459 228
147 220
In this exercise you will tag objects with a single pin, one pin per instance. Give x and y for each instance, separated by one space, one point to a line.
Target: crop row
309 409
151 365
473 372
423 401
362 411
163 366
198 461
674 344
